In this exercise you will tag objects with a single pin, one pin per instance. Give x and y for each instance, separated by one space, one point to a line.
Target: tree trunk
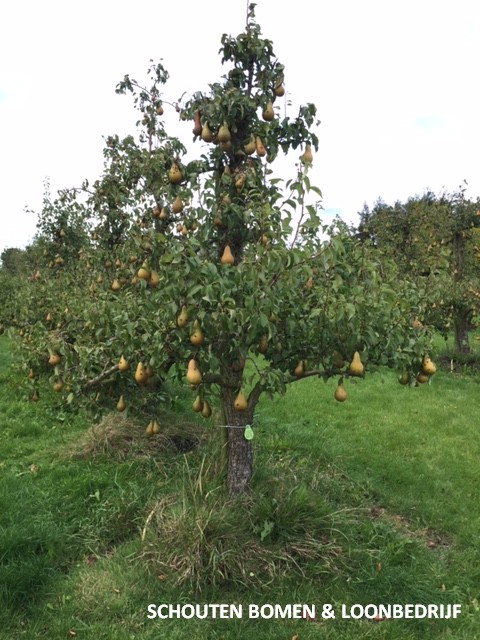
461 332
239 449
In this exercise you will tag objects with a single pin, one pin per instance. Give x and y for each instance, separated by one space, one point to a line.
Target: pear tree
213 269
435 239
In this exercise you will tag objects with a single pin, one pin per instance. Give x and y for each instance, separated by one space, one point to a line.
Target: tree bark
461 326
239 450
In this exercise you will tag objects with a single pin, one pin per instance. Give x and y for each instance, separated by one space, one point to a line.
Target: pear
337 360
227 256
299 369
356 367
239 182
154 279
140 374
259 147
250 146
155 427
197 405
155 212
307 155
197 129
279 90
340 394
263 344
58 385
116 286
196 337
223 134
182 317
149 429
428 367
54 359
177 206
35 397
149 371
404 378
175 175
193 376
121 404
206 135
143 273
240 402
422 378
268 114
206 410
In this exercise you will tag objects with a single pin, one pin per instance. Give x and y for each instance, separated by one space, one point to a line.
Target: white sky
395 84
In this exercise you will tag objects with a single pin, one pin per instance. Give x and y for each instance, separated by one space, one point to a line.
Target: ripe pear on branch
197 405
356 367
307 155
197 337
240 403
227 256
193 377
428 367
182 317
141 375
175 175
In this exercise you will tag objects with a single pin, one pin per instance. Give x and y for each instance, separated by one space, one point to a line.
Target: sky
395 85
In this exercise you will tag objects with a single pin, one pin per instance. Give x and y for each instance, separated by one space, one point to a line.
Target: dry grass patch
117 435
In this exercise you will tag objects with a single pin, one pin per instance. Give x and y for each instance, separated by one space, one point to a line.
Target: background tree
213 270
435 238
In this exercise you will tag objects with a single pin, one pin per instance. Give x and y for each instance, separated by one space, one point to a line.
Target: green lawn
375 500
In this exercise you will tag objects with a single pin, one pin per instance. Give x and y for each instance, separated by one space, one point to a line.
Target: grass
373 500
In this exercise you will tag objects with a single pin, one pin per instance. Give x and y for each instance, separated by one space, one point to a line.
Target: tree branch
101 376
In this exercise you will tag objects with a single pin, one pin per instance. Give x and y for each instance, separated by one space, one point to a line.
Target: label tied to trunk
248 433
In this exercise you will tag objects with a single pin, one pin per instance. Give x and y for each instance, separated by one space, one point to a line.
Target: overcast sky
395 84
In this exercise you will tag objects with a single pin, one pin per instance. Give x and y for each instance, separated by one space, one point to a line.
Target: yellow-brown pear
206 135
259 146
340 394
182 317
54 359
141 375
123 364
196 337
175 174
227 256
197 129
356 367
206 409
223 134
299 369
121 404
307 155
240 402
197 405
428 367
268 114
193 377
177 206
